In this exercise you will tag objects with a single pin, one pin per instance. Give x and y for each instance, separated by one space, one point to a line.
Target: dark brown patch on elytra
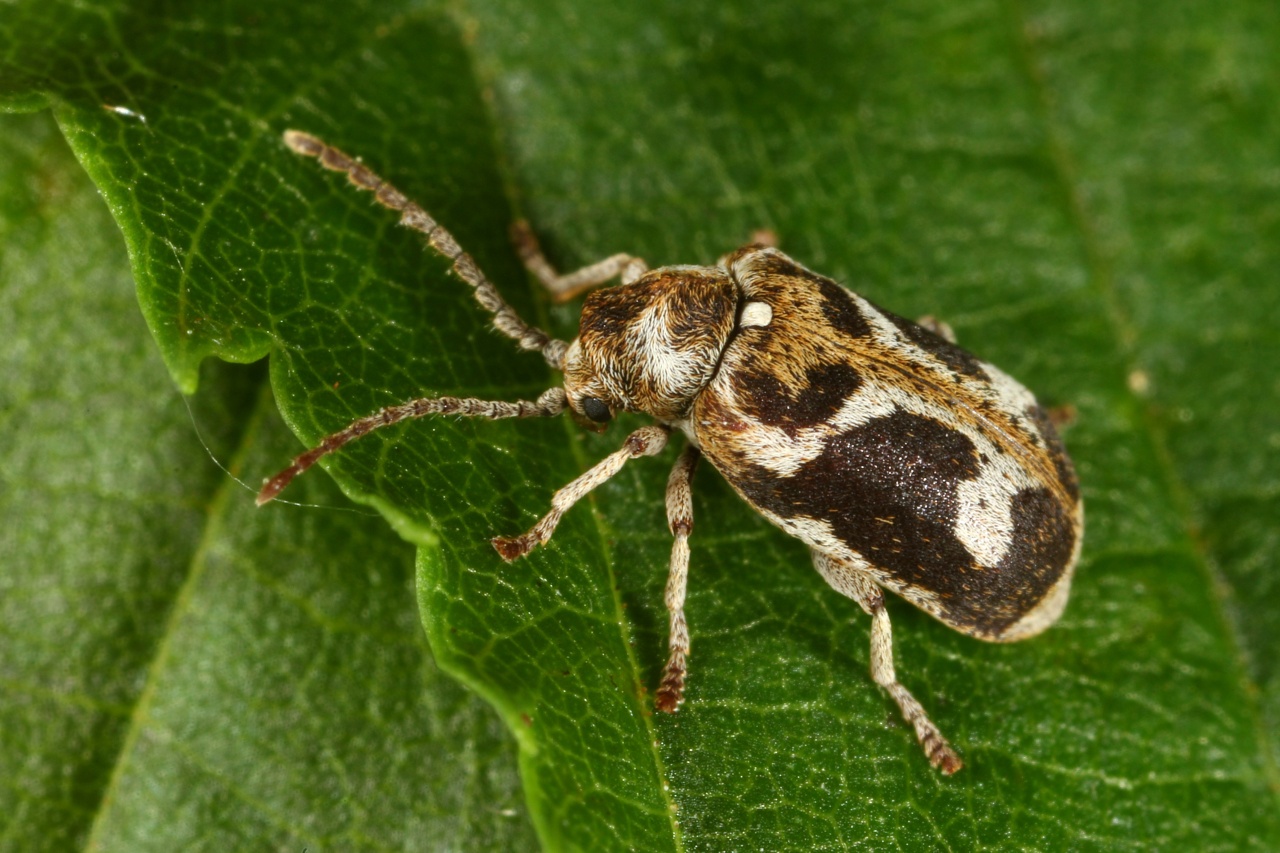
840 309
1057 451
761 395
957 358
1044 538
889 490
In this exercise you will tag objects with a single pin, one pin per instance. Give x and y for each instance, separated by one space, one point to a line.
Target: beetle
902 461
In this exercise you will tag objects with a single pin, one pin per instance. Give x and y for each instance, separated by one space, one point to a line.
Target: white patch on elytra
984 511
1010 394
886 331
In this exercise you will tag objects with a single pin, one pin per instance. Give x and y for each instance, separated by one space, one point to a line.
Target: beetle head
650 346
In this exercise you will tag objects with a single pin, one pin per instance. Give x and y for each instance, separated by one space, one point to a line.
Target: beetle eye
595 409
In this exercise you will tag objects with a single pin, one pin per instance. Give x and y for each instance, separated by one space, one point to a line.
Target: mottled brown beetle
901 460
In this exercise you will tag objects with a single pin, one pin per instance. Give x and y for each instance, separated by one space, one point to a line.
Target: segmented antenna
550 403
505 319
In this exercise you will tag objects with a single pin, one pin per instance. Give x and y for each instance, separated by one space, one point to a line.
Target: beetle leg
564 287
848 580
645 441
941 328
680 520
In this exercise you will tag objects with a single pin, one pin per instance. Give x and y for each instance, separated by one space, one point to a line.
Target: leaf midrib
577 451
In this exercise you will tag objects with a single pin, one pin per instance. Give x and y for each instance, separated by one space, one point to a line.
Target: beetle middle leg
645 441
680 520
851 581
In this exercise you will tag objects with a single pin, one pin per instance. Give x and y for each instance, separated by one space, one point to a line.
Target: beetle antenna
505 319
550 403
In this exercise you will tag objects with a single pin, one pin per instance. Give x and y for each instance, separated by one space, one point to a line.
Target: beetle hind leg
941 328
849 580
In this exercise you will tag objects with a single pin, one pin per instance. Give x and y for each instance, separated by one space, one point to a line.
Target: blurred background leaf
1087 193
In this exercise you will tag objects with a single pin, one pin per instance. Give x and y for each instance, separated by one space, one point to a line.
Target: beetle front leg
680 520
564 287
856 584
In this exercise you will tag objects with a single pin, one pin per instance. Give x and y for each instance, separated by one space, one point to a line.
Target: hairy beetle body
903 462
880 443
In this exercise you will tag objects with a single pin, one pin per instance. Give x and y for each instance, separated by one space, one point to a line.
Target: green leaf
178 671
1086 193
